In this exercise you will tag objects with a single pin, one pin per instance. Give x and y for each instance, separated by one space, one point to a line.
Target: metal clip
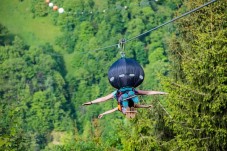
121 45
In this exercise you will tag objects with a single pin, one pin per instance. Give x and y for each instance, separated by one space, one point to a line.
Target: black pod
125 72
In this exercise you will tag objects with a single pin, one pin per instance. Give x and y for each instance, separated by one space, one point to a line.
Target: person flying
124 103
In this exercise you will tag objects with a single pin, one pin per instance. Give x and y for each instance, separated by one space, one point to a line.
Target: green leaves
32 96
42 92
196 92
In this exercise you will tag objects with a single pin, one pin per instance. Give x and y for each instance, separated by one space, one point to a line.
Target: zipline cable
155 28
174 19
106 47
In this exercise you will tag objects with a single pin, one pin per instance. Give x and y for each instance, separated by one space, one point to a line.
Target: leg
130 112
133 112
142 106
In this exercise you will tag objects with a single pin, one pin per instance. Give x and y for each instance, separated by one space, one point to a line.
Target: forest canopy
46 74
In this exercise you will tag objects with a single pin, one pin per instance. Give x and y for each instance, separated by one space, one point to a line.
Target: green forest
51 63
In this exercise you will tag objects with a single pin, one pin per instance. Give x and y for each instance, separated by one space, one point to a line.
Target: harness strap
119 107
129 97
123 95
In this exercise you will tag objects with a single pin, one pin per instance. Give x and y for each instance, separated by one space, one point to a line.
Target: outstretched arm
102 99
143 92
108 112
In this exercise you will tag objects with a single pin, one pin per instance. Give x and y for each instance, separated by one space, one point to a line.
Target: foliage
32 95
38 8
197 98
43 86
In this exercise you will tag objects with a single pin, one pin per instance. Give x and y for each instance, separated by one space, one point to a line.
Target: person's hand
150 106
88 103
100 116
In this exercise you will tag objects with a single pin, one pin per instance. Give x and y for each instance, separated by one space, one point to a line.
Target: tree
197 88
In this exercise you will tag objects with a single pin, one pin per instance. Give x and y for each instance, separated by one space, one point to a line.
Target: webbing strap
126 89
129 97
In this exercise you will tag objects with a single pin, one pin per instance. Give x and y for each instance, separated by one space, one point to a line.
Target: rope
106 47
155 28
159 26
174 19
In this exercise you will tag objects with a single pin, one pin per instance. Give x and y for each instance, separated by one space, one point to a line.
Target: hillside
51 63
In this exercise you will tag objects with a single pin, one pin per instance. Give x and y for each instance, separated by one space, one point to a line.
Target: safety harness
123 96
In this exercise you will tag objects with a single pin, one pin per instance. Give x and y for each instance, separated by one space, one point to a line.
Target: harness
126 97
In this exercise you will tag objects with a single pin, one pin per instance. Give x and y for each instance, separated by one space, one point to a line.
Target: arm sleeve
115 94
